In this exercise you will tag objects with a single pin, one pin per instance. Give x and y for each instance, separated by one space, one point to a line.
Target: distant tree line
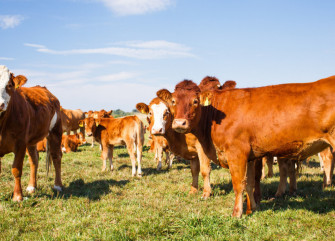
120 113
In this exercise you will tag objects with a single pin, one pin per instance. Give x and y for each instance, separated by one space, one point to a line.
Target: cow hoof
139 175
193 191
248 212
57 188
17 198
103 169
30 189
205 195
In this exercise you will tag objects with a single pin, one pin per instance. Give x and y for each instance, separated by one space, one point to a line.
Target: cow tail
139 137
48 157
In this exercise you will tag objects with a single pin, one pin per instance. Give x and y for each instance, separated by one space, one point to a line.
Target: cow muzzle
157 131
181 125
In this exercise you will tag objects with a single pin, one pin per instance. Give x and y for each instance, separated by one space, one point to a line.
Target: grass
99 205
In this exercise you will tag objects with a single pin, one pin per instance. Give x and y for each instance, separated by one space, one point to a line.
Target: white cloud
136 7
10 21
140 50
5 58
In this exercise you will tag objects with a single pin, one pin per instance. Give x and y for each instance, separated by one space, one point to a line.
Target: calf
98 114
326 157
27 116
109 132
159 145
71 142
289 120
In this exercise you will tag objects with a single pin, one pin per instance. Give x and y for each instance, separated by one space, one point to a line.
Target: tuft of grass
109 205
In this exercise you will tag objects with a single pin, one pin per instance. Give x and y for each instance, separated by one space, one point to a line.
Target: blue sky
111 54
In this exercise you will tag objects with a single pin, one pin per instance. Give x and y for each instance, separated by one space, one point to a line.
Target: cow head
184 105
209 83
159 116
90 125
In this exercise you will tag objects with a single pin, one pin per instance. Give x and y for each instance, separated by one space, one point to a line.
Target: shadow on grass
92 190
309 196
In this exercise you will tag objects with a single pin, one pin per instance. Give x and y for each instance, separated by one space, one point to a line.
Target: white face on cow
4 96
159 112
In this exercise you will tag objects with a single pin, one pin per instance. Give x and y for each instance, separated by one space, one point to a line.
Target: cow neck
13 107
203 129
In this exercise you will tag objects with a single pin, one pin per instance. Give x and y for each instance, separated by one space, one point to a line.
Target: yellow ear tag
81 125
143 112
95 116
207 102
97 123
16 87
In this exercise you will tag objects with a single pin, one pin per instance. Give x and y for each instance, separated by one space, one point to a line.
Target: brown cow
185 146
118 131
159 145
71 142
27 115
70 120
289 120
326 158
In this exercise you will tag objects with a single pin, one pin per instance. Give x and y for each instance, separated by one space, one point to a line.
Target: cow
70 120
109 132
41 145
326 157
98 114
288 120
27 115
71 142
159 145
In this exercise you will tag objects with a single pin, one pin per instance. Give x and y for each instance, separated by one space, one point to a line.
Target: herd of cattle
239 129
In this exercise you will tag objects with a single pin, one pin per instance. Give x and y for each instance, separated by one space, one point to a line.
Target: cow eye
173 102
195 101
166 113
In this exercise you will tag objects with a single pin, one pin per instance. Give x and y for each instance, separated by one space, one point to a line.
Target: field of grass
99 205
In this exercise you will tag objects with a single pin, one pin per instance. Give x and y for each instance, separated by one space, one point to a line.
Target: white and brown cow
27 115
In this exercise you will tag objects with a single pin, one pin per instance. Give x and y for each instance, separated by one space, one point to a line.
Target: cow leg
251 204
159 151
54 141
195 169
139 147
269 162
104 156
110 156
292 176
205 169
17 172
238 171
264 160
33 161
283 176
131 151
258 175
321 162
328 163
0 164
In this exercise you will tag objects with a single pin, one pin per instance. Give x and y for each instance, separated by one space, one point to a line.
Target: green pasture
99 205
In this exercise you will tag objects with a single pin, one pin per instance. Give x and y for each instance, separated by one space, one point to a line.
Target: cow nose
157 131
2 106
180 125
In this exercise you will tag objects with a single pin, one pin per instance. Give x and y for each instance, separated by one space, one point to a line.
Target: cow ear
206 98
229 84
97 122
143 108
164 95
110 112
81 123
19 81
